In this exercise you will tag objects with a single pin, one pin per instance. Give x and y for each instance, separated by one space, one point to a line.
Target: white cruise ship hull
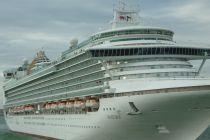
160 116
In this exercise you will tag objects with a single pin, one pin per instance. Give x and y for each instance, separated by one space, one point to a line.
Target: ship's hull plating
162 116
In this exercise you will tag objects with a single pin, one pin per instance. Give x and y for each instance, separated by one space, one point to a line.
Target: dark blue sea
5 134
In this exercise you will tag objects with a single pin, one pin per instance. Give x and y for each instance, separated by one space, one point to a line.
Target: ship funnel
73 43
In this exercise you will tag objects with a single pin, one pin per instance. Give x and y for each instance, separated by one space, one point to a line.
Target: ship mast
125 15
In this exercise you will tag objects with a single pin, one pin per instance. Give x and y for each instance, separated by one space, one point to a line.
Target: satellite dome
73 42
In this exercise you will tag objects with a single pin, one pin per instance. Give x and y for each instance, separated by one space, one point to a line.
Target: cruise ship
128 82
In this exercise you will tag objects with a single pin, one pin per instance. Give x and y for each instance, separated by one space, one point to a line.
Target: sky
27 26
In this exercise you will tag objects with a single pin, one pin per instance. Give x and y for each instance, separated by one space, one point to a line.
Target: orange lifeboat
47 106
69 104
95 103
53 105
79 104
28 108
92 103
87 103
61 104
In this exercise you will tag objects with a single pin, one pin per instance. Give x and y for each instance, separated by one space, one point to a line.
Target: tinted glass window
150 51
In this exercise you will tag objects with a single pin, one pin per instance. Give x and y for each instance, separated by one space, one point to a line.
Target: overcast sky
26 26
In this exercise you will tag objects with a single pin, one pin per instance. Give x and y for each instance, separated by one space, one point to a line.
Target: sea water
5 134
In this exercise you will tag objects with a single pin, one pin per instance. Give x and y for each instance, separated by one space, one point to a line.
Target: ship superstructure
128 82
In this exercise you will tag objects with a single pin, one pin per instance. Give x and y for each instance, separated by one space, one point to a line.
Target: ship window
193 52
9 74
124 77
157 51
166 50
144 52
127 52
148 51
161 50
102 52
131 51
152 67
153 51
121 52
114 52
118 52
136 52
159 32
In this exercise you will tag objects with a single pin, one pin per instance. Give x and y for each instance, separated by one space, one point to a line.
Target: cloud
194 11
189 19
188 10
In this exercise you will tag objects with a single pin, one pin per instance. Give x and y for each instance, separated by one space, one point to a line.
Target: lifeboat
92 103
53 105
69 104
47 106
95 103
20 109
28 108
79 104
87 103
61 104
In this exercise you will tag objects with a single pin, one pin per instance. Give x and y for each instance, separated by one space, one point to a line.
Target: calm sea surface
5 134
